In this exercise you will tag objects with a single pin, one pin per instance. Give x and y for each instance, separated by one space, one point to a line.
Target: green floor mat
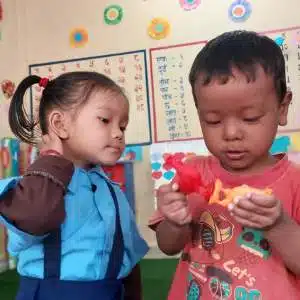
156 273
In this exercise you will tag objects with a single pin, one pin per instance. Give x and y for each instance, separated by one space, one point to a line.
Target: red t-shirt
226 261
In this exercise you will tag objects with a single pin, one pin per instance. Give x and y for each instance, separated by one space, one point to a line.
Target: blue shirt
87 232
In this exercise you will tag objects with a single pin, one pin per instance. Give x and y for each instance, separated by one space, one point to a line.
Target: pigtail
21 123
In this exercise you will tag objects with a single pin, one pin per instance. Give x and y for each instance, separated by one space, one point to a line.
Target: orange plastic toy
224 196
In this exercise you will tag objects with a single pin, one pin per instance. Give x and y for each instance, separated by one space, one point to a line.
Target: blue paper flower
240 10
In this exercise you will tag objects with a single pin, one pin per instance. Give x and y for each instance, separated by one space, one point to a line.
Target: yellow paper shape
295 141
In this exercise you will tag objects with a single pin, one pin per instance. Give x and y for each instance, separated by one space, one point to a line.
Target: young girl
70 226
250 250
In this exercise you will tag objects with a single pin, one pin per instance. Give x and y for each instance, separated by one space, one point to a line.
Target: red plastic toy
187 176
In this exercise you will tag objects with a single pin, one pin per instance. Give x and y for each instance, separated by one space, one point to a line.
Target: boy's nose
232 131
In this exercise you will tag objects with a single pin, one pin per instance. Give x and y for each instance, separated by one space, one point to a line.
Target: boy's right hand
173 204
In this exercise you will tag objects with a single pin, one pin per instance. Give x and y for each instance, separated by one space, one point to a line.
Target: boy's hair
243 50
67 91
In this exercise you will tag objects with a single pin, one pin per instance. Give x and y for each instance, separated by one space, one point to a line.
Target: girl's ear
58 123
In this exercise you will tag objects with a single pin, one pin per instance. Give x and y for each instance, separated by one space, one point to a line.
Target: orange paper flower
159 28
78 37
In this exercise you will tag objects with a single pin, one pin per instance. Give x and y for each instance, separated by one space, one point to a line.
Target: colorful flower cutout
297 38
189 4
240 10
113 14
159 28
279 40
1 11
8 88
78 37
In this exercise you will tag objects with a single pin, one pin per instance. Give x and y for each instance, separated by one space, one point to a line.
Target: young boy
249 250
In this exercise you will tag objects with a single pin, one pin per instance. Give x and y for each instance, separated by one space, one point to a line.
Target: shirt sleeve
34 205
295 203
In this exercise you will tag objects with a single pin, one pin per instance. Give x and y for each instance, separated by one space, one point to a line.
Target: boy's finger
246 223
165 188
250 206
263 200
182 216
173 197
244 214
187 219
261 220
177 205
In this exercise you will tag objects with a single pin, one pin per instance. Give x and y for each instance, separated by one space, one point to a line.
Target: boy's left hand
257 210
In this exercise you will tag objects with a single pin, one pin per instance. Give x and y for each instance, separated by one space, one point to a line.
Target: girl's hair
67 91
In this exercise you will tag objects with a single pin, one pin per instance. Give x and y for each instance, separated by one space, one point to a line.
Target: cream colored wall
44 27
12 59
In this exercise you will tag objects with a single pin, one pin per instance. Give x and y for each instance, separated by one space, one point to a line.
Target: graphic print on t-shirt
220 258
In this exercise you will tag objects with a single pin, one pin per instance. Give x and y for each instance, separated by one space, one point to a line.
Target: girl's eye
123 128
104 120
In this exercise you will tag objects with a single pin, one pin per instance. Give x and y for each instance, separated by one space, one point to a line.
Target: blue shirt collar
81 178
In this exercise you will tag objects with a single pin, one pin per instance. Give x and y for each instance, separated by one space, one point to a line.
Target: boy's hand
173 205
257 210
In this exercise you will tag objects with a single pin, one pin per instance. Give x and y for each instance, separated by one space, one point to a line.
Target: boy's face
239 119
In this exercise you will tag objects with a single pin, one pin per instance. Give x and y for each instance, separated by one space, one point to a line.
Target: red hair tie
43 82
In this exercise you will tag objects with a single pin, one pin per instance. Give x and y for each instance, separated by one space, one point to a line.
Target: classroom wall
12 55
38 31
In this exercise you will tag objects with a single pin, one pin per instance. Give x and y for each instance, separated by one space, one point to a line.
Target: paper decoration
295 142
10 151
79 37
280 145
279 40
128 69
113 14
1 11
297 38
132 153
174 113
8 88
286 144
189 4
162 173
159 28
239 11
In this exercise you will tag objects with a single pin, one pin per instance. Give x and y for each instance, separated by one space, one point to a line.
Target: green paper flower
113 14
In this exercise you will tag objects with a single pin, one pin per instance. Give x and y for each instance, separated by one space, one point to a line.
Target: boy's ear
58 123
284 108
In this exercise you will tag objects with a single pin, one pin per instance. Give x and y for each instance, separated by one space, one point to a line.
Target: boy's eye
122 128
252 120
210 122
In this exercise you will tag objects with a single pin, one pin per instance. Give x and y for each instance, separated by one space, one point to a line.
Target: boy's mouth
235 155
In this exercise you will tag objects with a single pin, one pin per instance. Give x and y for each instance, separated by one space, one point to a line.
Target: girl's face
96 132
